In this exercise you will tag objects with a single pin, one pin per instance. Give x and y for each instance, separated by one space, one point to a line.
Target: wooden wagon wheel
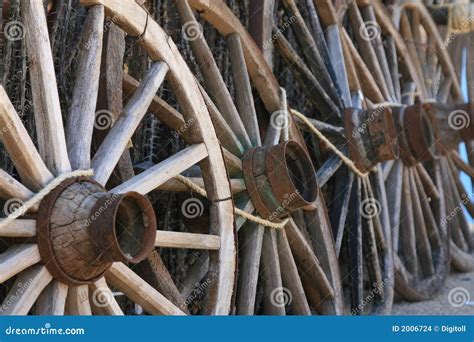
455 27
295 272
357 200
416 183
294 278
78 240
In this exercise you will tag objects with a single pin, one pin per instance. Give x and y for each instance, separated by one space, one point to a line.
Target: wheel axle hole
130 227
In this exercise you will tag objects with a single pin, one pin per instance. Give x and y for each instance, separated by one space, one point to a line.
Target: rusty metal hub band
279 179
82 230
371 136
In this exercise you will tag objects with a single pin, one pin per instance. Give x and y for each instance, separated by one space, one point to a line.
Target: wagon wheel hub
82 229
371 135
418 133
279 179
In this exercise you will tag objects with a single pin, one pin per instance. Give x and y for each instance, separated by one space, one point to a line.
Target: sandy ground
460 286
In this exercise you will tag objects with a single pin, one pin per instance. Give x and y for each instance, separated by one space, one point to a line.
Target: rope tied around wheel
347 161
196 188
38 197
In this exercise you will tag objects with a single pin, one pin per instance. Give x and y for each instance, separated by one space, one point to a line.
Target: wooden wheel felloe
83 234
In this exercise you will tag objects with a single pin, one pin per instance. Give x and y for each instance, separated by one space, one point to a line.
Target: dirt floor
457 298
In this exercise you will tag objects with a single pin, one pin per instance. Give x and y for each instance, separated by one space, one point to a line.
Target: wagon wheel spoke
370 246
459 230
319 96
103 300
354 241
271 273
175 120
187 240
214 81
394 183
421 236
244 97
117 139
20 147
17 259
367 50
250 241
407 228
433 233
127 281
35 279
49 123
82 112
52 301
158 174
19 228
369 87
460 187
290 276
78 302
11 188
343 191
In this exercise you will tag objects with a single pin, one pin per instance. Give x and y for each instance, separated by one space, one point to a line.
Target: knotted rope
37 198
349 163
196 188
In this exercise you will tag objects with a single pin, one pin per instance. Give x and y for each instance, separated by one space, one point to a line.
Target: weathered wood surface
82 112
19 146
114 144
16 259
48 117
125 280
52 301
30 283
